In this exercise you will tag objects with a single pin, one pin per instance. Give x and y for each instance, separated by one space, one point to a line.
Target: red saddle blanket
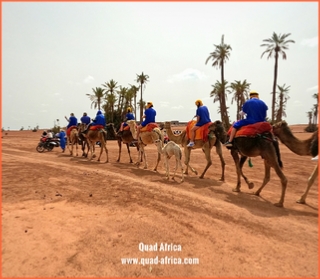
253 129
69 130
201 133
149 127
97 127
126 128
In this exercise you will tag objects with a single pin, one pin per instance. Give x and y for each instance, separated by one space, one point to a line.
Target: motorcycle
47 144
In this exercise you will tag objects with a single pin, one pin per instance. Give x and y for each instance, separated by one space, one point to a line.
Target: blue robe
62 135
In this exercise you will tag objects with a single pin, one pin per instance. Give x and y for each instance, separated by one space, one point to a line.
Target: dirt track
63 216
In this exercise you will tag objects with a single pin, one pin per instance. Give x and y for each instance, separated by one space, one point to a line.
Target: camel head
278 127
218 129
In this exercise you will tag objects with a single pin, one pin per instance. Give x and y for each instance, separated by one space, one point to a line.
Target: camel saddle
149 127
253 130
126 128
70 129
96 127
201 133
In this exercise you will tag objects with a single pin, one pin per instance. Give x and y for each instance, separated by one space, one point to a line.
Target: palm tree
122 94
276 45
219 57
315 109
111 89
309 113
282 101
109 106
96 98
142 80
240 90
134 90
217 92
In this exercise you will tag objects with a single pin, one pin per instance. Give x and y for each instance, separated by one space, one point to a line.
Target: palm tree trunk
141 109
274 87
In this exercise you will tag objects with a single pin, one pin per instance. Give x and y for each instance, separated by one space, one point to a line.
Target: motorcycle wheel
40 148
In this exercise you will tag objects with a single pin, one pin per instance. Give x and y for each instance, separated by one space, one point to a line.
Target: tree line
114 98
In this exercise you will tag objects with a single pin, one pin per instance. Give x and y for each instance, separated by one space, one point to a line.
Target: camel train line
254 140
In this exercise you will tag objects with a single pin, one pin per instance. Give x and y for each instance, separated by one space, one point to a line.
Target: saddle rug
126 128
149 127
97 127
201 133
252 129
69 130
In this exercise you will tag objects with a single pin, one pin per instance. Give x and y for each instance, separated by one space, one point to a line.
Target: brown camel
216 136
267 147
97 135
308 147
145 138
72 140
126 138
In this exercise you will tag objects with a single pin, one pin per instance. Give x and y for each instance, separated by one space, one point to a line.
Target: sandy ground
64 216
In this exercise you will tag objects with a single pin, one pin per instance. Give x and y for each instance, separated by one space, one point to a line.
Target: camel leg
207 152
144 158
120 146
250 184
106 150
235 157
181 167
266 178
187 153
219 152
128 148
91 150
77 148
158 160
311 180
167 168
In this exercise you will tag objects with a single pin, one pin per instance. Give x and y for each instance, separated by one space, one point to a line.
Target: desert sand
65 216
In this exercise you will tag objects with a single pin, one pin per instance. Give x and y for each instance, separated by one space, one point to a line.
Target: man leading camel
255 111
203 117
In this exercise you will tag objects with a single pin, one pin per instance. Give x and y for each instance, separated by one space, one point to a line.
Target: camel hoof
145 168
278 204
301 201
257 193
251 185
235 190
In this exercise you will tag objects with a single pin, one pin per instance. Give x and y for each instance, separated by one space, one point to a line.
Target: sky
54 53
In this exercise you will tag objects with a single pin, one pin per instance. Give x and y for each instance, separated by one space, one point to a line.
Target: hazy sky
53 54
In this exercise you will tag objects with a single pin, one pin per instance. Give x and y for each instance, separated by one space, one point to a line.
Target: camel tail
276 146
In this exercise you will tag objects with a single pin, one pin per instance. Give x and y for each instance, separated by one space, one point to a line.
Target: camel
216 136
169 150
97 135
308 147
267 147
126 138
72 140
145 138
